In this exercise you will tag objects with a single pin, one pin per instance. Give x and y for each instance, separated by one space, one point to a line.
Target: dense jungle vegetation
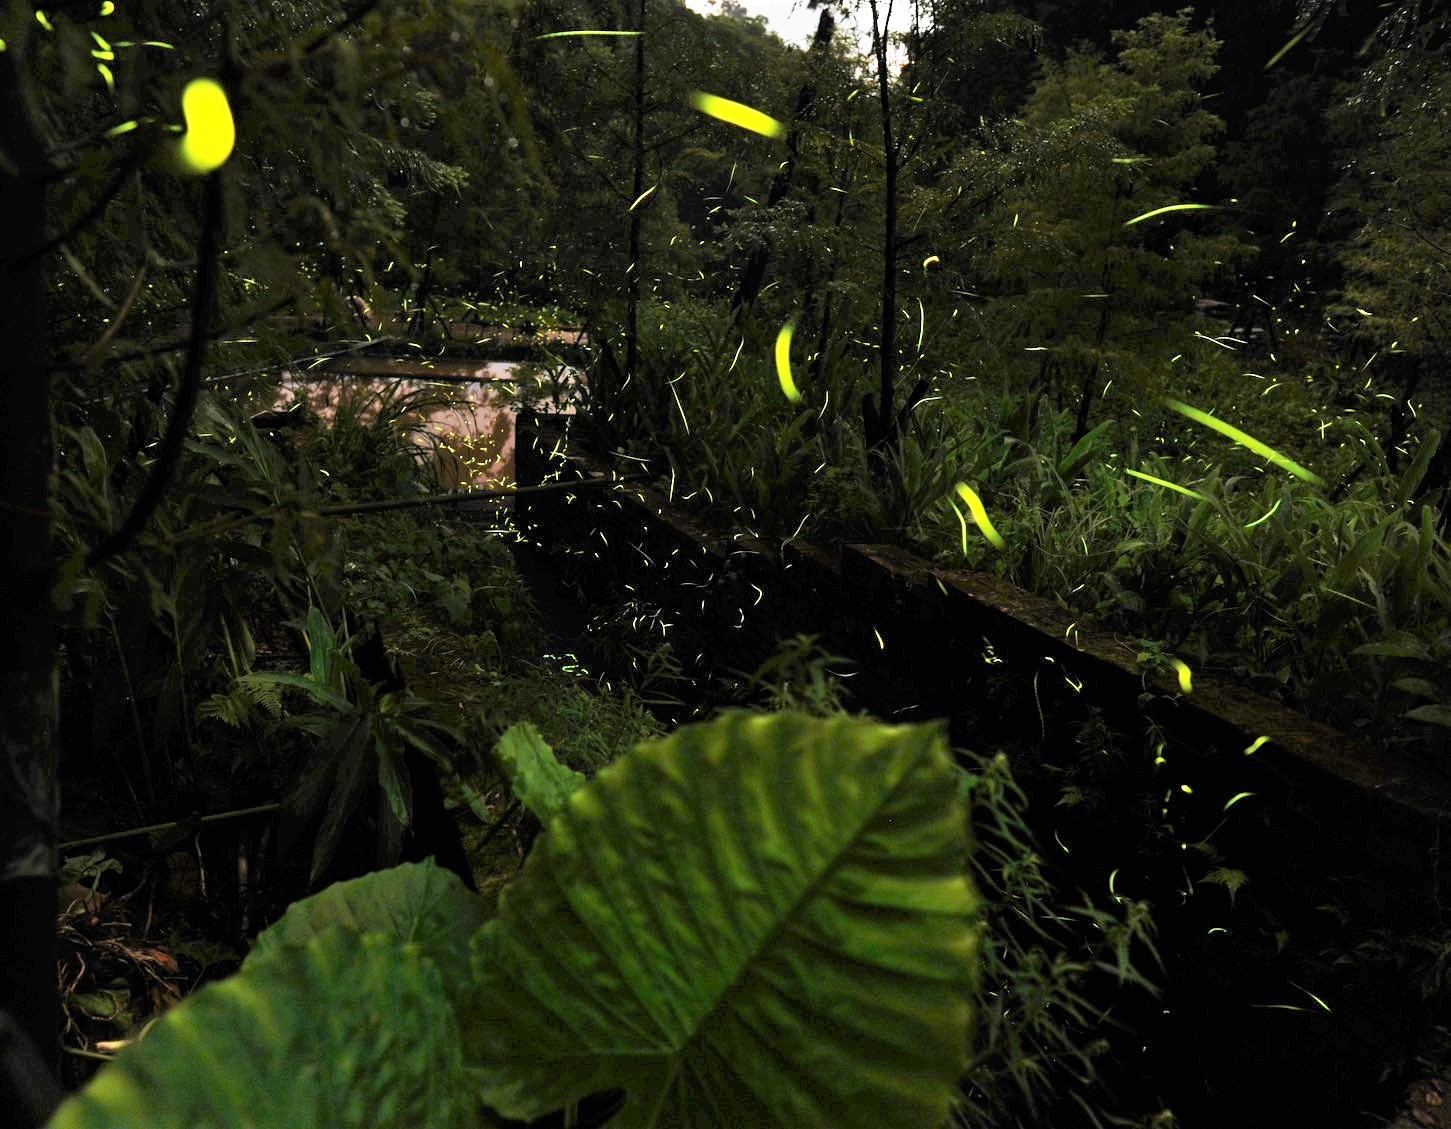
1140 307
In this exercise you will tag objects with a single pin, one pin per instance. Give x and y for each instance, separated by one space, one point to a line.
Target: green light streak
1169 208
1229 431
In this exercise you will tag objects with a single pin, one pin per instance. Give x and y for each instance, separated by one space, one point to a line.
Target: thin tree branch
28 511
208 267
980 202
134 832
307 359
184 343
133 162
1421 235
356 16
682 135
120 318
79 268
221 525
454 497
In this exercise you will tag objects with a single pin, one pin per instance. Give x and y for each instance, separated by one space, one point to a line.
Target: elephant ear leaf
345 1030
418 902
542 784
761 920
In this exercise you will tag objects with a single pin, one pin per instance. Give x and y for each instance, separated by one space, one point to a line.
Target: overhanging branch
189 387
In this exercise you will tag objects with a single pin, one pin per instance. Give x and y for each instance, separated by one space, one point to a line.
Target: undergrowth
1333 597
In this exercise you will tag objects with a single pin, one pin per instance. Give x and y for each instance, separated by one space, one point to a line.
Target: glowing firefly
783 362
979 515
210 132
737 114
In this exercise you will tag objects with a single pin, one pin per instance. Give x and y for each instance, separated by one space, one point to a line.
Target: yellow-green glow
1236 798
1169 208
107 7
607 34
979 515
929 260
43 20
1186 680
1167 484
1285 50
1229 431
963 520
640 199
124 127
210 132
1254 748
107 77
736 113
783 362
1267 516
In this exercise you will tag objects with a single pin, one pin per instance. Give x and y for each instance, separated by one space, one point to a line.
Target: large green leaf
417 902
322 651
344 1030
316 690
761 921
542 784
1432 715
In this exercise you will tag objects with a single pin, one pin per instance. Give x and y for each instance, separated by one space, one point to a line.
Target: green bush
780 899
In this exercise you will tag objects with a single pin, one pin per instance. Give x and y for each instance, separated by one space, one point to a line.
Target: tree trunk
632 276
29 795
754 275
1090 373
882 427
819 298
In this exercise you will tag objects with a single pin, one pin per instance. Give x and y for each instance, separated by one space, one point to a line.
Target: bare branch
208 266
121 314
353 18
183 343
133 162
